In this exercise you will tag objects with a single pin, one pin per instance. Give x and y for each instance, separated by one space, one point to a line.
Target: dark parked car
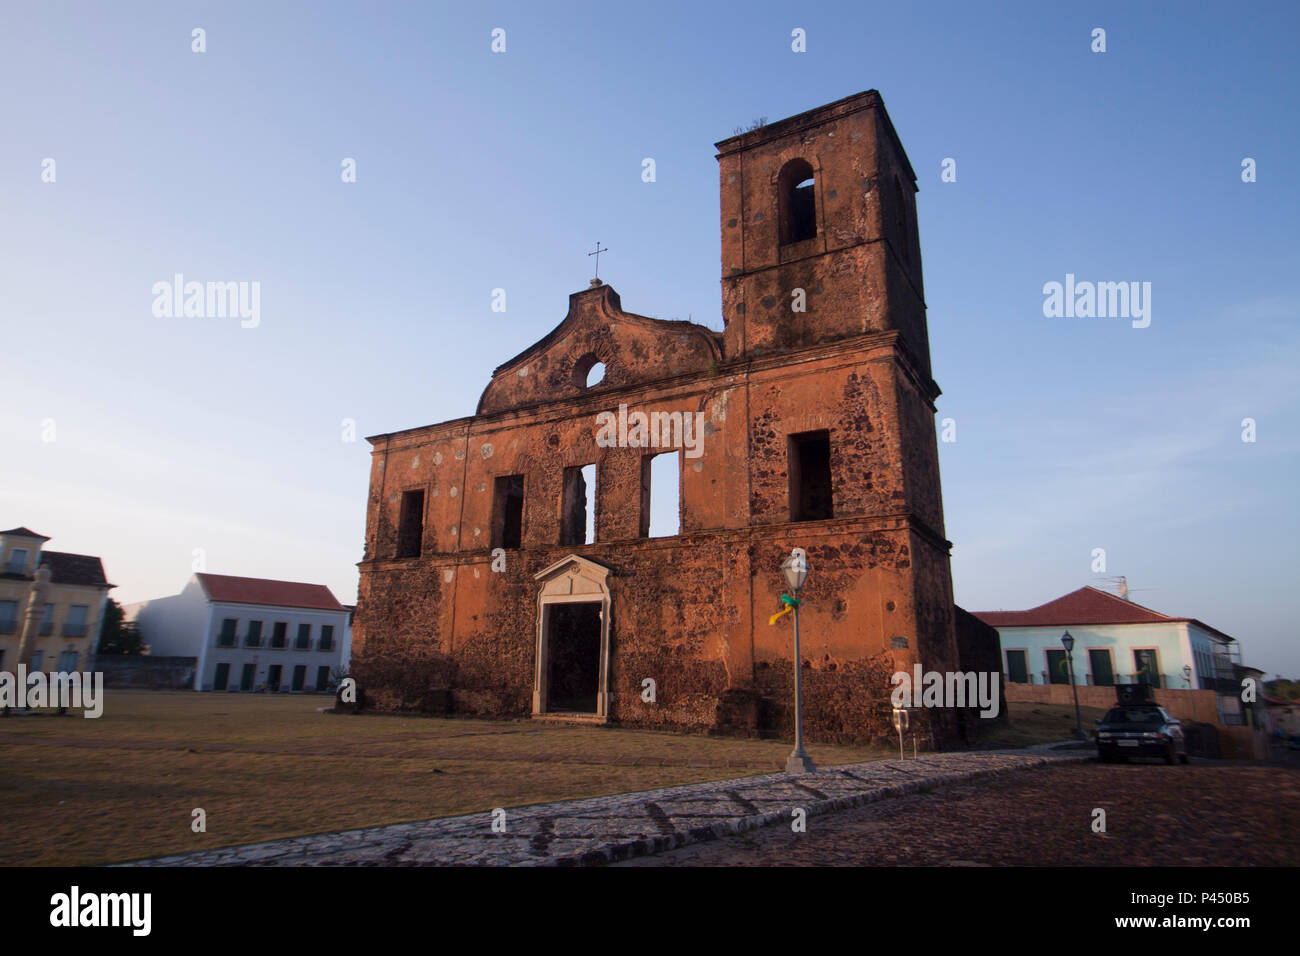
1140 730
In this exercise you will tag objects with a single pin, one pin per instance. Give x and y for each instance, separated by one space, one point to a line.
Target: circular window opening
589 372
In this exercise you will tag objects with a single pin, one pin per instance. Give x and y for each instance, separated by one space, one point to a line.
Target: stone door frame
571 580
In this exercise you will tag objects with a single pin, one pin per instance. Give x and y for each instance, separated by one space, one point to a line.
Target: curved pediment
634 348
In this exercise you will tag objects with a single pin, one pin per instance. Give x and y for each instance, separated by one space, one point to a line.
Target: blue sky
478 171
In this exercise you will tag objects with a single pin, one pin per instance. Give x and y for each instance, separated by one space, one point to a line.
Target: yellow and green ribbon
790 604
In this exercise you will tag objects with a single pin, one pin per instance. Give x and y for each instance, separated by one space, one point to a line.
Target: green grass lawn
121 787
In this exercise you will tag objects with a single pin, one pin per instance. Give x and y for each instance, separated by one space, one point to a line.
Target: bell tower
824 312
819 239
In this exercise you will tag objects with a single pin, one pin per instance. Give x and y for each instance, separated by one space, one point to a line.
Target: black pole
1078 721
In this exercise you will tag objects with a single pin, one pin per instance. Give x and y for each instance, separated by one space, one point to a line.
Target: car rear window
1135 715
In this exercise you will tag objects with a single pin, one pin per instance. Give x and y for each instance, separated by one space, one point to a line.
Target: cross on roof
597 255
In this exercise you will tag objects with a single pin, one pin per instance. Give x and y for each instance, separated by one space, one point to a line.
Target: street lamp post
1068 643
795 570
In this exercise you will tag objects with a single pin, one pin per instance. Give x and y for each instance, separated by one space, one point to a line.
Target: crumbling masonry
479 593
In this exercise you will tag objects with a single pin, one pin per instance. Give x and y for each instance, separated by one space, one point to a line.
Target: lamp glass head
795 569
1067 641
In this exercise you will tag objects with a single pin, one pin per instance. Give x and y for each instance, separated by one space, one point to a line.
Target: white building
250 634
1117 642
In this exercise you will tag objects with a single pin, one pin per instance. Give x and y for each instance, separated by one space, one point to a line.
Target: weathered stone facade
852 370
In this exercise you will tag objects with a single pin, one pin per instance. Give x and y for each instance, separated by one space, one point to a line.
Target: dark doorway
573 657
246 677
299 677
273 678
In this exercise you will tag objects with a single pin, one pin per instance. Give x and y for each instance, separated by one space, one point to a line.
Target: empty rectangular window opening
797 184
803 212
578 517
508 511
810 476
661 495
410 526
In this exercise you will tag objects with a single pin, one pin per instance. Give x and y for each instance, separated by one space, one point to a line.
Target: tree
1282 688
117 635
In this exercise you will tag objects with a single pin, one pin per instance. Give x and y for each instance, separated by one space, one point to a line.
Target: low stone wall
1197 705
144 672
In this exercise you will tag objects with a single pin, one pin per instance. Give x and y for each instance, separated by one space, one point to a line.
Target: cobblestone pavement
611 828
1212 813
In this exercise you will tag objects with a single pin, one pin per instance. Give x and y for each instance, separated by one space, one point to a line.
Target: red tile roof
1087 605
236 590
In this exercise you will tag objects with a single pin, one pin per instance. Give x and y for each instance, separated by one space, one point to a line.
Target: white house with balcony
251 634
1117 642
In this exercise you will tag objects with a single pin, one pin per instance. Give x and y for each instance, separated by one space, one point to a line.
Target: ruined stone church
510 566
